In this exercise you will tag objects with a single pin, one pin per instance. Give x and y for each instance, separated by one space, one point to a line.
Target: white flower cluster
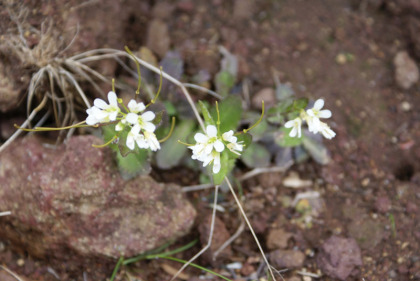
142 129
210 145
312 117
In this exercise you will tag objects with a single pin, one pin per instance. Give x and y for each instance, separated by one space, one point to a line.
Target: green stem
199 267
138 68
117 267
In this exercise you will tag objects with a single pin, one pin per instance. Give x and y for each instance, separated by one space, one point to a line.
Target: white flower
296 125
208 148
210 140
143 120
314 114
317 112
233 145
132 137
102 112
135 107
326 131
151 140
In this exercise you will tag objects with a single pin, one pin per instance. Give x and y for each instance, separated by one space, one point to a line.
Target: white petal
113 115
135 130
91 120
211 131
199 137
112 98
216 164
119 127
293 132
208 148
148 116
132 106
150 127
132 118
227 136
319 104
310 112
100 103
219 146
325 113
289 124
130 142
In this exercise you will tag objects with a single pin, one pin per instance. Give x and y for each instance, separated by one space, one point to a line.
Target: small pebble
20 262
405 106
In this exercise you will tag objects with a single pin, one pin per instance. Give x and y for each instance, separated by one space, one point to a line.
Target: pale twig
310 274
197 187
7 213
11 273
238 203
27 121
264 170
213 216
208 91
76 85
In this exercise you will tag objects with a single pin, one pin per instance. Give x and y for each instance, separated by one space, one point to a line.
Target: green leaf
226 166
230 113
206 114
246 139
134 164
287 141
171 151
224 81
283 91
158 118
317 150
131 163
300 104
170 108
256 156
108 132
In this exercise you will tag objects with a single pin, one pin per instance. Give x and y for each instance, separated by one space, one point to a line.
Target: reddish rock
338 257
277 239
220 236
70 202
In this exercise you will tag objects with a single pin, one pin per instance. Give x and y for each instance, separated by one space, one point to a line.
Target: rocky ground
359 217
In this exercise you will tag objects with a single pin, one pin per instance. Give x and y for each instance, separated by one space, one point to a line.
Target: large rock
71 201
338 256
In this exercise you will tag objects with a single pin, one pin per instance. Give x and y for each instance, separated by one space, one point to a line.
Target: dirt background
342 51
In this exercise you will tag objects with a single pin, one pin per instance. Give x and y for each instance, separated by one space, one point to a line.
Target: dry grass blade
11 273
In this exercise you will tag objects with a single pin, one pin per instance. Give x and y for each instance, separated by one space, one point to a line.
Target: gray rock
406 70
367 232
71 200
338 256
281 259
